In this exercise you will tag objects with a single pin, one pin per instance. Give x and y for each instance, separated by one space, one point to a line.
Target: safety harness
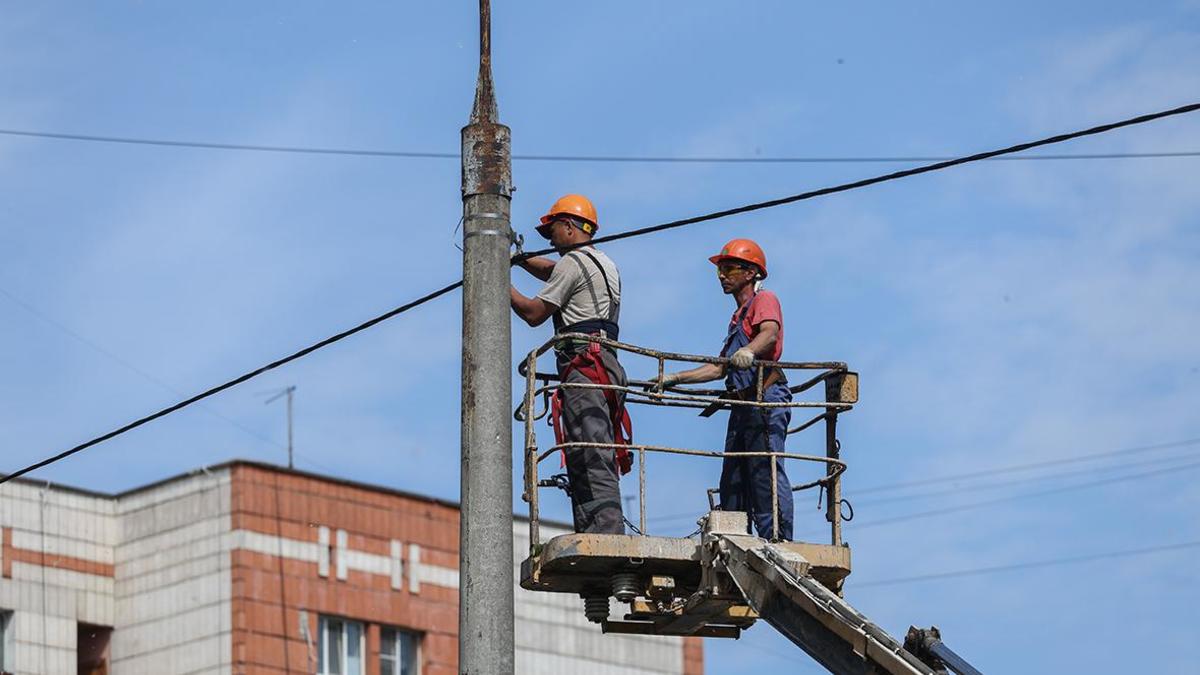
740 384
589 363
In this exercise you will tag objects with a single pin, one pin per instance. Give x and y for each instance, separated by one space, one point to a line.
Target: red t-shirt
765 307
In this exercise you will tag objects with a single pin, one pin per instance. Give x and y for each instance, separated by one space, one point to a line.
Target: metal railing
841 392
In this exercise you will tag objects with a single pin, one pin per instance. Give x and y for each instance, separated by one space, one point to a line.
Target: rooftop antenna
289 392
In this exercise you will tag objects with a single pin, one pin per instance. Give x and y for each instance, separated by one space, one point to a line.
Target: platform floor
574 563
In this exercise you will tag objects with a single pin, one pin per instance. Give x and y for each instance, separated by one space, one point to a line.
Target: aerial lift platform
722 579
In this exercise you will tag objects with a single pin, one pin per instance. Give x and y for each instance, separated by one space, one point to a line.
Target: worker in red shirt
755 333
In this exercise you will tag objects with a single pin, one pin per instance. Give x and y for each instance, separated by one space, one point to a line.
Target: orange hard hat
743 250
577 206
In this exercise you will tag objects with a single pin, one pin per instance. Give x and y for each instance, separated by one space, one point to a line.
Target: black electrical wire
147 376
650 159
1028 565
1011 483
995 569
978 487
1016 468
228 146
612 159
1141 119
912 517
614 237
236 381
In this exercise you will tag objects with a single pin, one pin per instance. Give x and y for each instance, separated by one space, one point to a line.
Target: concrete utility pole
485 614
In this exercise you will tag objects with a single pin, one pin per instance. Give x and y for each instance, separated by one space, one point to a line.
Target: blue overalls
746 481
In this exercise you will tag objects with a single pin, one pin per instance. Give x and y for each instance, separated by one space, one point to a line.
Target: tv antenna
289 392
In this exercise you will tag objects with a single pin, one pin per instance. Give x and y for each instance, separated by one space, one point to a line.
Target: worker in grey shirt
583 295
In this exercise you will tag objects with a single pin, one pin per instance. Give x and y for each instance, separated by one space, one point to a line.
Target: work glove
742 358
668 379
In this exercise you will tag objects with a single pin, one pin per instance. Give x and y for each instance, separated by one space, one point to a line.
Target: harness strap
613 306
590 365
737 324
556 422
610 329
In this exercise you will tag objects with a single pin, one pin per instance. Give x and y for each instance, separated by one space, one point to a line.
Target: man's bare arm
763 344
539 268
704 373
533 311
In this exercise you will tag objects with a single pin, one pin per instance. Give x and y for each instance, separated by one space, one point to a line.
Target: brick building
248 568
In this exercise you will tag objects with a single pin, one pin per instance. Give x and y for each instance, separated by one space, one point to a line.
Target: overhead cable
229 146
1002 484
1028 565
145 375
236 381
1016 468
609 159
913 517
896 175
615 237
977 487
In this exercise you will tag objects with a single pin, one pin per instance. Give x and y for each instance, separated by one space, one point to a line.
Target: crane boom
814 618
723 583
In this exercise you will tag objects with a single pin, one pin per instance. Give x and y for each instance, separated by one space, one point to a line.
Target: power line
1029 495
610 159
650 159
1032 465
142 373
229 146
996 569
615 237
989 502
1029 565
236 381
844 187
776 654
1023 481
1002 470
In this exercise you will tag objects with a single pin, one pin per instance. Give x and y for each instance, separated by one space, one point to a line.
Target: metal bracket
486 215
491 232
487 233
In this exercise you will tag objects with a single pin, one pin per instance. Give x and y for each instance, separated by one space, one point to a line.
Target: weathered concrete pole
485 615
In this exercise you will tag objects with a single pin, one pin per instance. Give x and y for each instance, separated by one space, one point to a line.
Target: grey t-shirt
576 287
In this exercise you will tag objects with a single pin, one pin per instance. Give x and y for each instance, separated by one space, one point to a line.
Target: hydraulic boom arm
775 584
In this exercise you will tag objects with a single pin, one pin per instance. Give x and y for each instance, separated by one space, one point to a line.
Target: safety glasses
565 222
728 269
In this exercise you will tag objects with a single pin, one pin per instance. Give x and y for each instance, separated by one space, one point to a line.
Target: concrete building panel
173 595
236 568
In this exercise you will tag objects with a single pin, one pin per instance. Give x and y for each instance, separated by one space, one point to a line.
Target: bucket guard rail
722 582
841 393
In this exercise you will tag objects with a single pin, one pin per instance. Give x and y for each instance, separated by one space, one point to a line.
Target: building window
339 647
6 643
397 652
92 649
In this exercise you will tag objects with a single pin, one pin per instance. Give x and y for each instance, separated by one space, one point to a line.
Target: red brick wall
693 656
269 593
32 557
6 552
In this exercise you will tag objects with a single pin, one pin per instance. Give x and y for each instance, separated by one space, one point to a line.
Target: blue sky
1000 314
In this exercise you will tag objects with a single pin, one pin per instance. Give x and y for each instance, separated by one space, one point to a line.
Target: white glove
667 380
742 358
